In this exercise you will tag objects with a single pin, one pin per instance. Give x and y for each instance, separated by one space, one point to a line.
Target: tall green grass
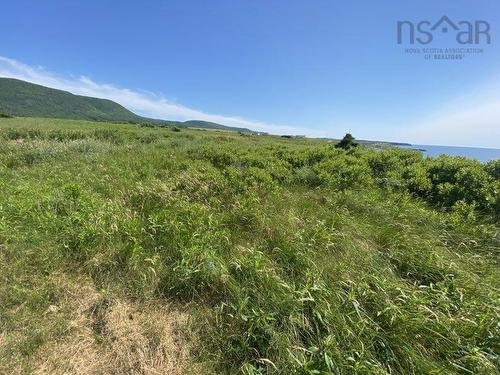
293 256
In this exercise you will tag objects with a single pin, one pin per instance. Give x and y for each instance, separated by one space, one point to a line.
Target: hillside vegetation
128 249
25 99
21 98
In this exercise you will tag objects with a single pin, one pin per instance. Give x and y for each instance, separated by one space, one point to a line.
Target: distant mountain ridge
25 99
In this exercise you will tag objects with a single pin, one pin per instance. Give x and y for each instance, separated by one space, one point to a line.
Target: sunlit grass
289 256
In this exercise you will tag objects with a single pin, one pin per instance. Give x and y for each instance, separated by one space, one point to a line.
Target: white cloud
144 103
477 126
470 120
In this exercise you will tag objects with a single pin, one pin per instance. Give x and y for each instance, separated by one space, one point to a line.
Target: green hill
212 125
25 99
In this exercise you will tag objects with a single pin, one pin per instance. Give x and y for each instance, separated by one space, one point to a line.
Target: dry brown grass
109 335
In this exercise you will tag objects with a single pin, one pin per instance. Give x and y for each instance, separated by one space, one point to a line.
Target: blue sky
320 68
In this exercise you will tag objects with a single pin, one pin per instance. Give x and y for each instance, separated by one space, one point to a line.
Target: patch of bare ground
109 335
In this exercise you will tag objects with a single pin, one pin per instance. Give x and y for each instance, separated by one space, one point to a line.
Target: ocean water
481 154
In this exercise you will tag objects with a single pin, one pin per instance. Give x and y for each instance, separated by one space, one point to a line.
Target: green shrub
344 171
347 142
459 179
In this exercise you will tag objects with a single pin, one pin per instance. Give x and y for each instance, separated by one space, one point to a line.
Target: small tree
347 142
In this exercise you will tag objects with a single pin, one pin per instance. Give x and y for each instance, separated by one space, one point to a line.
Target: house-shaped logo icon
443 22
424 32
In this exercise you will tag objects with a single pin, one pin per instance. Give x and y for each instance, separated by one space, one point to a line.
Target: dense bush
347 142
442 181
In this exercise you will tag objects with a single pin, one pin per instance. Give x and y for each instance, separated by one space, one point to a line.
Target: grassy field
143 250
